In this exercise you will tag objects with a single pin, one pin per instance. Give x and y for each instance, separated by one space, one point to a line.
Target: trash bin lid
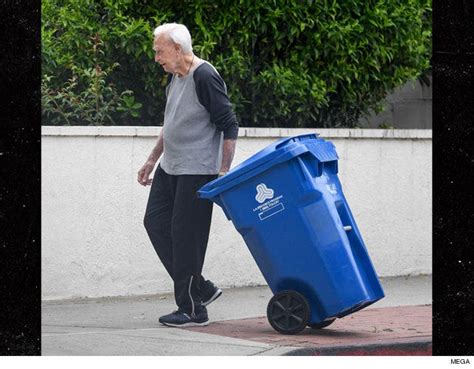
260 158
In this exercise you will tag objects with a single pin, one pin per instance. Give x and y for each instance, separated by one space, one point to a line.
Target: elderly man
196 145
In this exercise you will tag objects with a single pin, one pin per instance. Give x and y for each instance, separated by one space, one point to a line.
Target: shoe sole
213 298
191 324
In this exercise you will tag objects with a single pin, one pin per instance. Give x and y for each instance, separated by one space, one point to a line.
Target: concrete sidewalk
399 324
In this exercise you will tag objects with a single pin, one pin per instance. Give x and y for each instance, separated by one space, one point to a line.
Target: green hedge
286 63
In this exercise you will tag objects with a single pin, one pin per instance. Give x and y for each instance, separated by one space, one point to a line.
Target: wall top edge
250 132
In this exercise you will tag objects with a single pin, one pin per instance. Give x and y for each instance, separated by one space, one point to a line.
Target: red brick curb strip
419 348
401 330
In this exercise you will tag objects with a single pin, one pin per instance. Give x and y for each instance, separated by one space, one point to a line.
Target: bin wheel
288 312
322 324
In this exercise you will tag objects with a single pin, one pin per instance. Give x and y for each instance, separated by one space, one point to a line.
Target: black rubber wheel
322 324
288 312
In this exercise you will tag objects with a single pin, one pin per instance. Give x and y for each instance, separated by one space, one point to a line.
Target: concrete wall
408 106
94 243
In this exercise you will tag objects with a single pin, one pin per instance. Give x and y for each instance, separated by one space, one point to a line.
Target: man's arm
227 155
212 94
147 168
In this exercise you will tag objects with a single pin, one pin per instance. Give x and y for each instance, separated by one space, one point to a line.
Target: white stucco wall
94 243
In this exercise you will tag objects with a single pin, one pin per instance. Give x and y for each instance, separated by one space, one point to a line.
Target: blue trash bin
287 203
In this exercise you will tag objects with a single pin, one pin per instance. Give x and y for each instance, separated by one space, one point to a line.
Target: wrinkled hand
144 174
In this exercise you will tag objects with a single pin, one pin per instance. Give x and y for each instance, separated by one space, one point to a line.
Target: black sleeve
212 94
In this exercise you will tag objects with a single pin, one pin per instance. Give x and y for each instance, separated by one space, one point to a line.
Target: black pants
178 224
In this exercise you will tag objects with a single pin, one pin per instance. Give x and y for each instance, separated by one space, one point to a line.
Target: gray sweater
198 116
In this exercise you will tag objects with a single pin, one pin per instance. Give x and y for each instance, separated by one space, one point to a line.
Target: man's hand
228 150
144 174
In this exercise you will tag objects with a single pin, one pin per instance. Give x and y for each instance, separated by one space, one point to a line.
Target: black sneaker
209 292
179 318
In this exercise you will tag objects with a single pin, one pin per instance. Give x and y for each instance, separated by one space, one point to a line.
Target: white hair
178 33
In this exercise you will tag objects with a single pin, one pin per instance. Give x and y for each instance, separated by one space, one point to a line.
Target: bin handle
306 136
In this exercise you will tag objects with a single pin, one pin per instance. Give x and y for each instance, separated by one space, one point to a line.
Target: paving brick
379 327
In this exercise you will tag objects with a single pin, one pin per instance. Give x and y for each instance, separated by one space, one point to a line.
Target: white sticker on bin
272 206
332 188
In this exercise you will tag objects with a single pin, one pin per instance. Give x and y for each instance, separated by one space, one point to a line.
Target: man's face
166 53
